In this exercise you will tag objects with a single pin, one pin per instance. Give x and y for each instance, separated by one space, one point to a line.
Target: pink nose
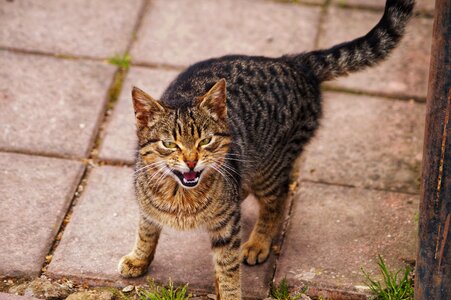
191 164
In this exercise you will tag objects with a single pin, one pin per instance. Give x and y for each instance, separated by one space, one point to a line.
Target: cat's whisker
162 176
149 166
158 171
226 166
237 159
216 168
219 167
237 155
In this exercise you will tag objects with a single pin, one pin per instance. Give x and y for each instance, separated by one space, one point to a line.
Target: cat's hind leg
137 262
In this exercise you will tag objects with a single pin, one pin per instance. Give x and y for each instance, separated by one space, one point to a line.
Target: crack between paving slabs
321 22
387 96
92 160
360 187
283 233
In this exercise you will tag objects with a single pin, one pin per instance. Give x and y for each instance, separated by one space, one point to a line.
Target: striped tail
362 52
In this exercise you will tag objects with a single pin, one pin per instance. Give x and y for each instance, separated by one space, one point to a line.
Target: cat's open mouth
188 179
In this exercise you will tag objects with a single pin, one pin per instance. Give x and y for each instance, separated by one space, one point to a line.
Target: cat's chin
188 179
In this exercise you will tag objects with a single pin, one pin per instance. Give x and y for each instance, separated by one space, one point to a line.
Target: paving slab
404 73
4 296
315 2
367 142
335 231
51 106
420 5
35 195
181 33
78 27
119 142
90 253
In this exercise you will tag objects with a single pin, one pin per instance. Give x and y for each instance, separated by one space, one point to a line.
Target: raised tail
362 52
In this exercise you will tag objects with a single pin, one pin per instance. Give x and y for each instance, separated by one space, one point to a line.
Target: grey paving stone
103 229
183 32
78 27
35 194
404 73
420 5
49 105
4 296
119 143
367 142
335 231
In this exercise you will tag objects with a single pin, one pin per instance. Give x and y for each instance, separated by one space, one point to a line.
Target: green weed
281 292
122 61
164 293
395 286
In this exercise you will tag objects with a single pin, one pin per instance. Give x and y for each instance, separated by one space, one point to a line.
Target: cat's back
252 81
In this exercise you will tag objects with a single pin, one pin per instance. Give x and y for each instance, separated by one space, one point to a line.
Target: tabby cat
230 126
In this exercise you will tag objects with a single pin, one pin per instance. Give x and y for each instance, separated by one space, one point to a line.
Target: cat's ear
215 100
145 106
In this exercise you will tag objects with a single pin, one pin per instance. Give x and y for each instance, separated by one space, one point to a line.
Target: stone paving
67 208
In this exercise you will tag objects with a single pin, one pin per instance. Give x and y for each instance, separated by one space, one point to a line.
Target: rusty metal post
433 269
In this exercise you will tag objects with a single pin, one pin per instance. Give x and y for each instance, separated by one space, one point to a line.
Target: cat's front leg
225 242
137 262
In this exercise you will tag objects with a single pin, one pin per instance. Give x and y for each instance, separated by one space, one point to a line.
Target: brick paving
51 106
422 6
359 183
265 28
4 296
78 27
36 193
398 76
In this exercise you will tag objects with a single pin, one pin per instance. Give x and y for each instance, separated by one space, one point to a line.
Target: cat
230 126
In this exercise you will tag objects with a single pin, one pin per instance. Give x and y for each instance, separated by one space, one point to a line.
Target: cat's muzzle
188 179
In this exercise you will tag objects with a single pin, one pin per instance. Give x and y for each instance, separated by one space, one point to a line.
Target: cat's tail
362 52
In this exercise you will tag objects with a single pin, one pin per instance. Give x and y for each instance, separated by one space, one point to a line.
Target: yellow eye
205 142
169 144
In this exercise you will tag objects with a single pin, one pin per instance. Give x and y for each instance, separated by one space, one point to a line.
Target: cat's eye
205 141
169 144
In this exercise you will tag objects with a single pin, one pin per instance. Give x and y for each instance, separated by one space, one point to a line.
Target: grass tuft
163 293
122 61
281 292
395 286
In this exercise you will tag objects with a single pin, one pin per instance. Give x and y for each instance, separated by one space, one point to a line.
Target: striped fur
236 124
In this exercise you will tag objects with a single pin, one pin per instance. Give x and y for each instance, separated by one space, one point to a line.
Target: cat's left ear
215 100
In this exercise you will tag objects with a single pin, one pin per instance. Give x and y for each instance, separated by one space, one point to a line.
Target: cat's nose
191 164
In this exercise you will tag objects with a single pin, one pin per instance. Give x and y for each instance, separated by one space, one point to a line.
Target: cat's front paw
130 266
255 251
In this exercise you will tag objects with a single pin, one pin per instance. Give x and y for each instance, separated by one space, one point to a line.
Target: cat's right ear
145 106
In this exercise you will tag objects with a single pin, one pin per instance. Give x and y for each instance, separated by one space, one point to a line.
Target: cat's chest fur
181 208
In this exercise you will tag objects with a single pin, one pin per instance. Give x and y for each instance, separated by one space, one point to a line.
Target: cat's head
185 143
